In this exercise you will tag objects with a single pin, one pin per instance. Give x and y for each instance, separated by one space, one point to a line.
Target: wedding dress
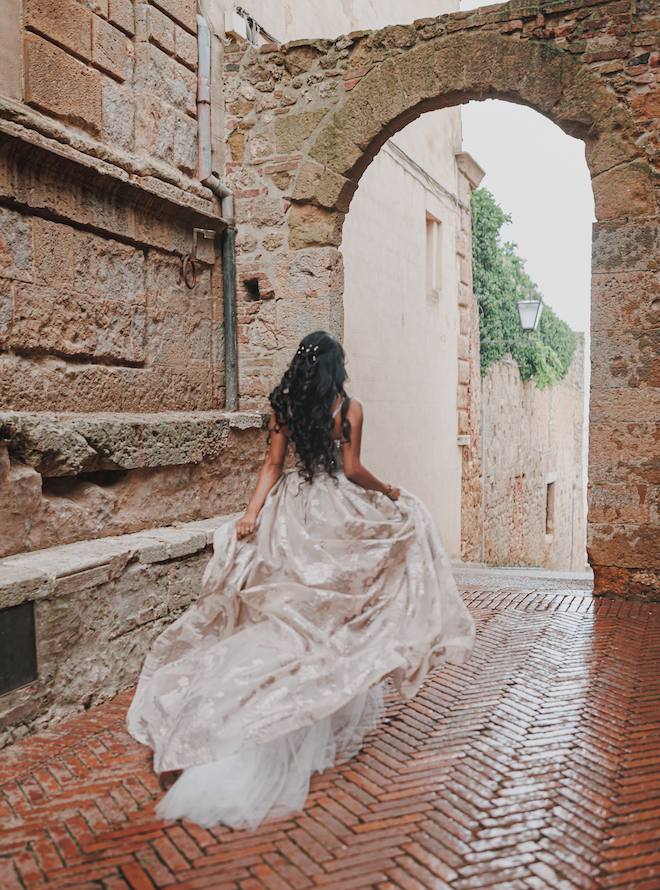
275 671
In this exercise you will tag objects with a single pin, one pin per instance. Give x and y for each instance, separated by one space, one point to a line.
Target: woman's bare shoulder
354 410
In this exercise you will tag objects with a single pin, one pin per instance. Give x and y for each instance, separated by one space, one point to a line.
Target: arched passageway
325 110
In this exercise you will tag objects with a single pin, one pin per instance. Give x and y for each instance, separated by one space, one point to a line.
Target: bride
331 582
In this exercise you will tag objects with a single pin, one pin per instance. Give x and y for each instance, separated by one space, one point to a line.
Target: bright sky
539 175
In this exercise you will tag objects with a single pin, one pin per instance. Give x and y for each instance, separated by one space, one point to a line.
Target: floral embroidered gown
275 671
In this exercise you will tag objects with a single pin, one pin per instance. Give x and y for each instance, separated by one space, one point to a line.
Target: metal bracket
189 260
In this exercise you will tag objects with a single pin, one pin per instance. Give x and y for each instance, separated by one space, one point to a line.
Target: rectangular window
433 257
550 508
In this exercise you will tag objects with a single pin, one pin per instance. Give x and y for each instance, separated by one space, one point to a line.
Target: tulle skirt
271 779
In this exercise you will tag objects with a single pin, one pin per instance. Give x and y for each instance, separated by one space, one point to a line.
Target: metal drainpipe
209 179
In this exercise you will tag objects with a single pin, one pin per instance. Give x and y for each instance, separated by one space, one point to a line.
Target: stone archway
306 119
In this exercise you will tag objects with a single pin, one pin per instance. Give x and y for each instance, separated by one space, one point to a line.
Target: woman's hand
393 492
245 525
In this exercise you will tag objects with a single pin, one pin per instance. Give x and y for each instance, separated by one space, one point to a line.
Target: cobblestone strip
532 767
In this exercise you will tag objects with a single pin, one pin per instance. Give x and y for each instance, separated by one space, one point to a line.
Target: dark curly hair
304 400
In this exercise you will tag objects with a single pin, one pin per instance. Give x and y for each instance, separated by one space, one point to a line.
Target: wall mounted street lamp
529 313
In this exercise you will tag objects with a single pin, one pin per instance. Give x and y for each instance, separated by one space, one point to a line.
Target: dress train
272 779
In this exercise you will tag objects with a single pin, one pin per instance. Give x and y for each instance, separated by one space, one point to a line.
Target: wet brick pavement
536 766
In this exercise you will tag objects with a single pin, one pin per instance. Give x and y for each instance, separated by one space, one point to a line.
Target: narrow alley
533 767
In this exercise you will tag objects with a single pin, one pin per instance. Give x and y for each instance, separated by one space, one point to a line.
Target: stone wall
98 606
98 201
533 474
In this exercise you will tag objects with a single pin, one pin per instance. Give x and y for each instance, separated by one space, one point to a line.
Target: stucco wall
402 343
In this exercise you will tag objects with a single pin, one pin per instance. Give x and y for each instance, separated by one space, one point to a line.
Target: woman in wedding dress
330 583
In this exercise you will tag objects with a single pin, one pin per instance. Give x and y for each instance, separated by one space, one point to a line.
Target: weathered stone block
335 150
20 584
300 59
625 358
121 14
110 48
53 245
193 388
67 324
58 84
261 211
615 144
626 546
100 7
646 106
318 185
182 11
118 117
49 447
108 269
625 301
185 48
292 130
624 404
315 272
311 226
171 81
585 99
16 254
383 91
161 30
623 446
618 503
624 192
55 385
184 146
147 389
254 68
621 247
293 325
63 21
394 37
357 120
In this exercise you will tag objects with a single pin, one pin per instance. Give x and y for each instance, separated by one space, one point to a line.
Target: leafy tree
500 280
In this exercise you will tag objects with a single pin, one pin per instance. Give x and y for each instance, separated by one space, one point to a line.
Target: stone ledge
22 121
69 444
57 571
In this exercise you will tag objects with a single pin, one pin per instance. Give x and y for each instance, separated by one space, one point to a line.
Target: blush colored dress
276 670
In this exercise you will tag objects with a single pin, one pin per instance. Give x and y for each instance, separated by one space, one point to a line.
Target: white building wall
401 344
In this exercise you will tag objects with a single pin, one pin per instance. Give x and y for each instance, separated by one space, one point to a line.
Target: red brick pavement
536 766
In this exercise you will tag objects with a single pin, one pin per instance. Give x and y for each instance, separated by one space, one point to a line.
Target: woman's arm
270 473
353 467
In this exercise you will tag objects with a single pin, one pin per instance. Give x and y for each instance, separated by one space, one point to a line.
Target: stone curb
57 570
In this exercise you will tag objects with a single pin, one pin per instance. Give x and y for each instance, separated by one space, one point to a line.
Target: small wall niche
550 508
433 258
252 290
18 647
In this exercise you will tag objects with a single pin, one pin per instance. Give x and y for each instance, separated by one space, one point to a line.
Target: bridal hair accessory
306 350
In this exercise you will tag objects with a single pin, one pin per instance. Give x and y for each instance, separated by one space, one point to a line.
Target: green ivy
499 281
